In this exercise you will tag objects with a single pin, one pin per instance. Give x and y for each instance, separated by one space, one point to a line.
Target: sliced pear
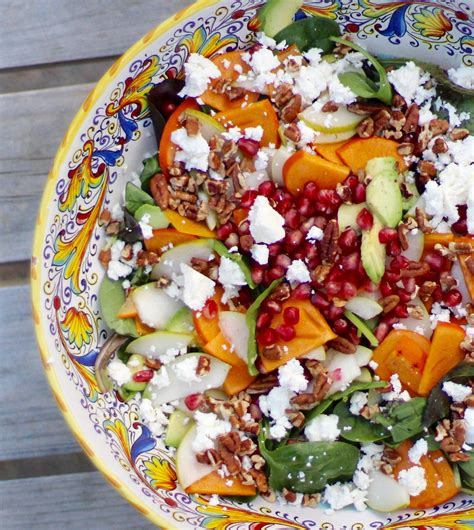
385 494
155 308
364 307
178 389
155 344
416 241
254 179
278 161
211 219
339 121
156 217
178 425
171 260
181 321
234 328
418 325
318 354
332 138
188 469
363 355
342 368
209 126
347 216
365 376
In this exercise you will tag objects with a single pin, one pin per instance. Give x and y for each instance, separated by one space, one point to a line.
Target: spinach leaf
135 197
131 232
251 319
362 327
361 86
403 420
222 250
150 168
439 402
139 277
111 298
122 352
310 32
466 474
356 428
307 467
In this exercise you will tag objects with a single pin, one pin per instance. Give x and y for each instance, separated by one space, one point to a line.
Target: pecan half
422 221
458 134
461 247
365 107
105 256
263 383
159 190
412 118
204 366
402 231
427 168
296 418
292 132
438 127
330 106
290 111
439 146
366 128
415 269
342 345
389 302
304 401
329 247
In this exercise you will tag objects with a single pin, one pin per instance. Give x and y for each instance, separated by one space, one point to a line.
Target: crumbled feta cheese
340 495
397 394
254 133
358 402
266 41
198 71
197 288
126 284
425 115
262 61
234 134
145 227
455 119
413 480
160 379
408 81
274 405
315 234
361 479
323 428
208 428
119 372
261 162
185 370
230 274
439 314
308 135
291 376
117 212
298 272
462 76
117 270
458 393
339 93
419 449
194 150
155 417
260 254
170 355
469 425
266 224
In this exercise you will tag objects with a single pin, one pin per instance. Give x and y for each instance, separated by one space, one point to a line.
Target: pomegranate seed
336 375
350 262
358 194
452 298
437 294
299 254
311 251
365 219
286 332
348 290
293 240
348 241
263 321
460 227
257 273
194 401
409 284
387 234
401 311
302 291
352 335
291 315
321 208
248 198
246 297
274 249
340 326
398 263
292 219
143 376
390 320
284 205
281 194
336 275
391 276
351 181
210 310
381 331
267 188
320 301
335 312
305 206
333 288
386 288
404 296
282 260
248 146
394 248
224 231
329 198
435 261
369 286
310 191
268 337
244 228
275 273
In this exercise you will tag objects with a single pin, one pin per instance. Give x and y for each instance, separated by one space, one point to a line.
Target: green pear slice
364 307
158 343
385 494
209 126
155 308
188 469
171 260
234 328
339 121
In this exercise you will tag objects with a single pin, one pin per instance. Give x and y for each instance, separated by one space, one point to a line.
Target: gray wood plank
64 30
75 502
32 423
33 124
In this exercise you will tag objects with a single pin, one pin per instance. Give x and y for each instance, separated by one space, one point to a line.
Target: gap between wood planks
14 273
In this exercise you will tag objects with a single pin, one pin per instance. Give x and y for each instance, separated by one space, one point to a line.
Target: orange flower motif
432 23
77 326
161 474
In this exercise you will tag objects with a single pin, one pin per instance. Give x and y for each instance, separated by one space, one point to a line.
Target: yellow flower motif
161 474
432 23
77 326
207 45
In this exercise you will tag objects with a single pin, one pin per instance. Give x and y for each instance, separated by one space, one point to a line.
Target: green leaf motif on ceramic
111 299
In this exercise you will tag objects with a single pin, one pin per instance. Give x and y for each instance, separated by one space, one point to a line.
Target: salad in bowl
289 282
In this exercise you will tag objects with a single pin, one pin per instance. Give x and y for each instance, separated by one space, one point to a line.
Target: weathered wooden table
51 53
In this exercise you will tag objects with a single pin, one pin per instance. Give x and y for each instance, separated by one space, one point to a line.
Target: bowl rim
38 238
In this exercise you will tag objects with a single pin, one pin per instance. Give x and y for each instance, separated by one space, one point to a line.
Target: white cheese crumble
185 370
397 393
315 234
119 372
197 288
260 254
413 480
230 274
254 133
469 425
462 76
160 379
323 428
358 402
145 227
439 314
266 224
155 417
208 428
458 393
291 376
274 405
419 449
194 150
298 272
199 71
408 81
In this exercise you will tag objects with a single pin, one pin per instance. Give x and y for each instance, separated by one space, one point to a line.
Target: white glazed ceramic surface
106 142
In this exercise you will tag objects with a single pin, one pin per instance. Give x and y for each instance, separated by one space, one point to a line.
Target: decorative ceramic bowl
106 142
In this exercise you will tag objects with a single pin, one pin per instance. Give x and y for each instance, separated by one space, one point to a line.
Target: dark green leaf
310 32
131 232
251 319
223 251
307 467
359 83
150 168
139 277
404 420
135 197
438 403
111 298
468 467
122 353
356 428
